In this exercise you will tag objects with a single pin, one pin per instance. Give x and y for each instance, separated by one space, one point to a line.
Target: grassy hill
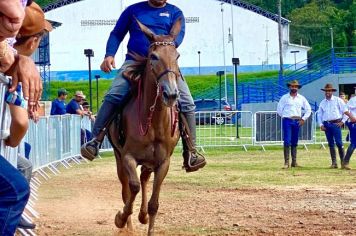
197 84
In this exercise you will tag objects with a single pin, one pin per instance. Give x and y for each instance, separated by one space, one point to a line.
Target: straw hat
79 94
34 21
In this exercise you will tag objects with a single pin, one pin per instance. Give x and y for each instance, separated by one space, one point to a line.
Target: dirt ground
85 199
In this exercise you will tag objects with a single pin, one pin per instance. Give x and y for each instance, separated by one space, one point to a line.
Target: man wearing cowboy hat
331 118
351 124
290 109
74 107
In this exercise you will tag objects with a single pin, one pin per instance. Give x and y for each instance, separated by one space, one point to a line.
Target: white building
216 29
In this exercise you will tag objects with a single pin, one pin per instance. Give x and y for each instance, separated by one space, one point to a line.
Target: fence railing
54 139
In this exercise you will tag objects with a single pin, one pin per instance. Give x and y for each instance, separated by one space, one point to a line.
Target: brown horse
149 124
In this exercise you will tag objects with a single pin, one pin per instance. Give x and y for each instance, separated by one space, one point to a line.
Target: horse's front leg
129 165
153 204
125 192
145 176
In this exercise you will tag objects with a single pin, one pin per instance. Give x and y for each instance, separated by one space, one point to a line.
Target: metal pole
332 37
223 41
232 29
236 98
220 92
90 88
233 51
199 60
97 92
280 35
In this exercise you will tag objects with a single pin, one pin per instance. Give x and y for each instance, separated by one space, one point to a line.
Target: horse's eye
154 57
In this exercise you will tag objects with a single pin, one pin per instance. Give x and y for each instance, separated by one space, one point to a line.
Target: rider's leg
192 159
113 102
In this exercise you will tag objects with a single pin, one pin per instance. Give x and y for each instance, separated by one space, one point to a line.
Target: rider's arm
118 33
179 39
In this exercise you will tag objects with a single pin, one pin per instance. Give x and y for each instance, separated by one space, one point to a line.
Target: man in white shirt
351 124
290 109
331 118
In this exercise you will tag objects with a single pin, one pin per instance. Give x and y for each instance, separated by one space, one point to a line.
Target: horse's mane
134 71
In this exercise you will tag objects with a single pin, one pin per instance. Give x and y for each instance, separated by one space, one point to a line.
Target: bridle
144 130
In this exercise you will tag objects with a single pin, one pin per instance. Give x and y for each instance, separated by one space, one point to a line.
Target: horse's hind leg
129 169
145 176
153 204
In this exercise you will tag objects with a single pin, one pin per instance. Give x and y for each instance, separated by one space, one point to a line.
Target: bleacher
332 61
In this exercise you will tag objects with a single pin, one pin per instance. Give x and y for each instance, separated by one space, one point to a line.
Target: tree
312 24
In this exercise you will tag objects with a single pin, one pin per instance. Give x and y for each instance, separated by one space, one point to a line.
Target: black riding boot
107 112
341 155
192 159
348 155
286 157
333 157
294 157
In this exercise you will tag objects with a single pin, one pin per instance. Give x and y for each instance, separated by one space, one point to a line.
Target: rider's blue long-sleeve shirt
159 20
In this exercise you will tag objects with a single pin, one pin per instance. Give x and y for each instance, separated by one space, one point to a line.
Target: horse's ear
149 34
177 26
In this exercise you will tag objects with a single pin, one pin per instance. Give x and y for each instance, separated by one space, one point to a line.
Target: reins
174 114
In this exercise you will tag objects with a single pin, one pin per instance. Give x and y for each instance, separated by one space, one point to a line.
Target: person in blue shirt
59 105
74 106
159 16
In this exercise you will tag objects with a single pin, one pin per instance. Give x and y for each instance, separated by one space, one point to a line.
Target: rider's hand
108 64
25 71
11 17
322 128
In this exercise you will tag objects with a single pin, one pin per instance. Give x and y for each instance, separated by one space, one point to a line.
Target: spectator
74 106
27 41
59 105
14 189
343 97
290 109
86 108
86 133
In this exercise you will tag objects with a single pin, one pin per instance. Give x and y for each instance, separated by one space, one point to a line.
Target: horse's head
162 58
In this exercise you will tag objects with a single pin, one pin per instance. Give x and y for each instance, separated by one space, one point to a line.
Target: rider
159 16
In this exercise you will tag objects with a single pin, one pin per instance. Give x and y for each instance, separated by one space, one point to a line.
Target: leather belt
295 117
334 121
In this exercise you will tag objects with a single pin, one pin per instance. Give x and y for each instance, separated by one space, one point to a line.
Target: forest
312 21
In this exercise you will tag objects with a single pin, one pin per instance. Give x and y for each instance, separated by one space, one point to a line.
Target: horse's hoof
118 220
143 218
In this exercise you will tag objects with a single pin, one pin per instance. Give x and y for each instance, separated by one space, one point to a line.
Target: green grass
236 169
197 84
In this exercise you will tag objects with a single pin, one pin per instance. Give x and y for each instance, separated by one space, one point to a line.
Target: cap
62 92
79 94
34 21
85 104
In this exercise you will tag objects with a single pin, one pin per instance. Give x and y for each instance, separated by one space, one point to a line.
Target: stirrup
90 150
187 163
